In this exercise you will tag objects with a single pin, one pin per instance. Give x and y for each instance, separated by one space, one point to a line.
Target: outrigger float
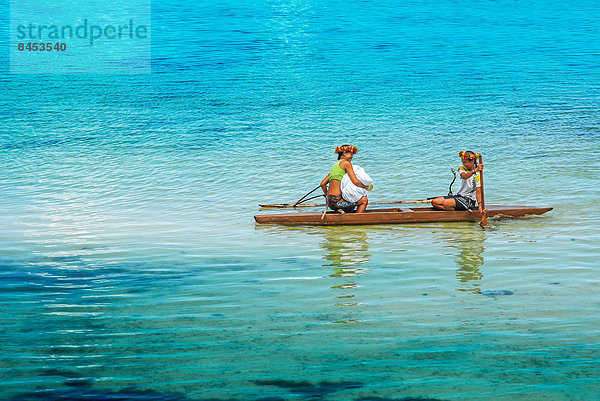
396 215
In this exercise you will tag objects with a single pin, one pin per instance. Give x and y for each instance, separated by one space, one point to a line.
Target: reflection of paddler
469 258
334 192
345 247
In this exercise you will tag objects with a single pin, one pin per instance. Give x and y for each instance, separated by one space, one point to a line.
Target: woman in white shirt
469 194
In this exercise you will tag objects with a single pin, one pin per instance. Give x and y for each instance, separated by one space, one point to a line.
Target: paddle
483 223
326 203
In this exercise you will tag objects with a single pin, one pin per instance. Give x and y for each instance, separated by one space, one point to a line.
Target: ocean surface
131 267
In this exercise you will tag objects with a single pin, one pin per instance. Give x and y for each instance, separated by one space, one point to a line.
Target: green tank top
336 172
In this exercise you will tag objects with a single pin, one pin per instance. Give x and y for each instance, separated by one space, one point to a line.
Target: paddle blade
484 223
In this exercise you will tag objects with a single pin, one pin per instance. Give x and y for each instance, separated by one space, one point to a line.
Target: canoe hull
395 216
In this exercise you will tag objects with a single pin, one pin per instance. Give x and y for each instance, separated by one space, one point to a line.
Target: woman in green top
334 179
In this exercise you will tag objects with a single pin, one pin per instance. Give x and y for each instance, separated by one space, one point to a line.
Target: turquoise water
131 267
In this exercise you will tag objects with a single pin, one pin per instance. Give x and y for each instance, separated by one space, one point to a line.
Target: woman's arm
324 184
346 165
470 173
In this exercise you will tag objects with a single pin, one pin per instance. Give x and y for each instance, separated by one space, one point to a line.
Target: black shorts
462 203
337 202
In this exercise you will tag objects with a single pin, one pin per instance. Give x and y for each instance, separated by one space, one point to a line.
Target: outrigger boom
295 205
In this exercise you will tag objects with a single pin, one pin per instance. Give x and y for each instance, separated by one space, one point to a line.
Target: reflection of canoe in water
395 216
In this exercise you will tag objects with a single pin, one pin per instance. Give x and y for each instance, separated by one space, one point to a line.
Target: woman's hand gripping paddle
483 223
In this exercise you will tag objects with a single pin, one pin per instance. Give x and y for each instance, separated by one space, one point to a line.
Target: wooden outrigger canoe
397 215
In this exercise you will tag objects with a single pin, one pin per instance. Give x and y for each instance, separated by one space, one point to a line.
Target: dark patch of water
309 389
59 372
398 399
83 391
31 144
494 293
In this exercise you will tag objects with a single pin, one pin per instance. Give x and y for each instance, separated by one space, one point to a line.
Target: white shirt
468 187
